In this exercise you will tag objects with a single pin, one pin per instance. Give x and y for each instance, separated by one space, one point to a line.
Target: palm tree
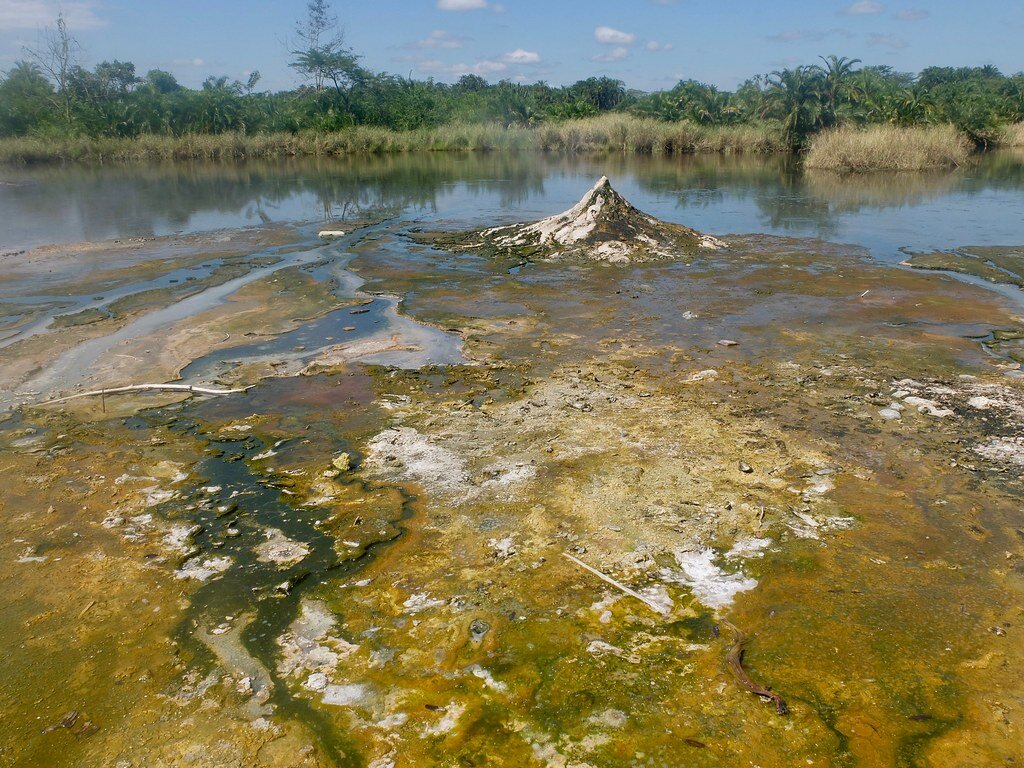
836 73
794 96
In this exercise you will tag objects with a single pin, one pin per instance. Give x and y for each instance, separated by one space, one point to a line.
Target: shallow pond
482 511
977 205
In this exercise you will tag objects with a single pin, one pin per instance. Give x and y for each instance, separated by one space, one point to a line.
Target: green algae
997 265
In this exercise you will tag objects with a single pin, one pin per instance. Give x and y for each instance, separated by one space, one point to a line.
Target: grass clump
888 148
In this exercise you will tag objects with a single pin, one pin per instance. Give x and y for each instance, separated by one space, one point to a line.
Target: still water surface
978 205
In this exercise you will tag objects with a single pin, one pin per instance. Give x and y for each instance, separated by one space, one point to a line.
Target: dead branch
735 661
620 586
149 388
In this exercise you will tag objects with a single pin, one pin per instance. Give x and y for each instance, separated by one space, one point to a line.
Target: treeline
49 96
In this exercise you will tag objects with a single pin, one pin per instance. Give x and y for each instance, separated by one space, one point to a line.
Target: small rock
710 373
342 462
890 414
727 343
316 682
477 629
745 468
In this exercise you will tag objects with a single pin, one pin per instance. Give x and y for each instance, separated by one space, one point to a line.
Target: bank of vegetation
615 132
53 108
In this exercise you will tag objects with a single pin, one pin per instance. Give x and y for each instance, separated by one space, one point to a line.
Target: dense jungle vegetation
49 98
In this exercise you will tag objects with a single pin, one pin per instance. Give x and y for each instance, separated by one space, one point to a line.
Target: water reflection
979 204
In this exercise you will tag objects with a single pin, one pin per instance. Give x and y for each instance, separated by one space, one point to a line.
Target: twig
149 388
618 585
735 661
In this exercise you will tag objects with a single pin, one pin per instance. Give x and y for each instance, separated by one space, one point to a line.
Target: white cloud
654 45
462 5
912 14
863 8
610 36
482 68
32 14
439 38
886 41
196 62
519 56
808 35
615 54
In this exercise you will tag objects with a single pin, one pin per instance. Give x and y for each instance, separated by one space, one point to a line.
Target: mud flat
362 563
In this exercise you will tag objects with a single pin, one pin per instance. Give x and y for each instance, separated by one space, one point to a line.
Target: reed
888 148
607 134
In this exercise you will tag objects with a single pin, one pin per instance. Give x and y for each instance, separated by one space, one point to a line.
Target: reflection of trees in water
793 200
105 201
702 180
99 203
774 185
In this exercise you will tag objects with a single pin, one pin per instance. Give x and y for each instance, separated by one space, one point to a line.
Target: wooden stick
618 585
149 388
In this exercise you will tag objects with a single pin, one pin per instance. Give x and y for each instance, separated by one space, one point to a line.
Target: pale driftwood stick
149 388
618 585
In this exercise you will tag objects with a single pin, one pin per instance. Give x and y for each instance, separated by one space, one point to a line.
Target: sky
648 44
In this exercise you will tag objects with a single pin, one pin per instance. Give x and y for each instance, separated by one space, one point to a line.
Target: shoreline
846 151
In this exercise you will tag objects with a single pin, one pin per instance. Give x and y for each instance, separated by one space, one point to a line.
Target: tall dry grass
1012 135
607 133
888 148
638 135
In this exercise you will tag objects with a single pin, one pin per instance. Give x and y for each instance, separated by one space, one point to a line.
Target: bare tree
318 38
55 54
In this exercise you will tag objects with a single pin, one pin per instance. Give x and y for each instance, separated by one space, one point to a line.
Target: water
977 205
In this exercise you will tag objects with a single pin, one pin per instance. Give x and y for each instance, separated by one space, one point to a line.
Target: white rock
316 682
351 695
705 375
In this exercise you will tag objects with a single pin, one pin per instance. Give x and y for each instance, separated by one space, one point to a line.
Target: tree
836 74
55 55
794 96
25 99
251 81
603 93
162 82
470 84
320 54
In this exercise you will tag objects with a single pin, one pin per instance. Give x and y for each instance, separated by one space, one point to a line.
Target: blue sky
647 43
